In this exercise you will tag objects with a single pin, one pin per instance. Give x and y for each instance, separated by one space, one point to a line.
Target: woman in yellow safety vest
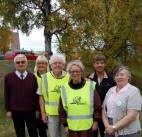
78 100
41 67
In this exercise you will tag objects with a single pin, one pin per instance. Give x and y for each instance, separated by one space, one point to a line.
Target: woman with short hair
121 107
80 103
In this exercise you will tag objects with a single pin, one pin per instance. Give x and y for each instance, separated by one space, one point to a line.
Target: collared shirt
103 85
19 74
128 98
100 80
62 75
114 98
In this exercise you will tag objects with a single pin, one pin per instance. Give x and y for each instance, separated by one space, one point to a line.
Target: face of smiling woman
75 73
42 67
121 78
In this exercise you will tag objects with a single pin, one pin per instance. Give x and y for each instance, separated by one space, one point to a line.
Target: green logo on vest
77 100
57 89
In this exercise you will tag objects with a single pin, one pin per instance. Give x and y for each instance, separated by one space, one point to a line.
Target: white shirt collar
19 74
125 88
105 76
62 75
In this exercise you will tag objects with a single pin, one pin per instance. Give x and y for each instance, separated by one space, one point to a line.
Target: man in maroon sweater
20 97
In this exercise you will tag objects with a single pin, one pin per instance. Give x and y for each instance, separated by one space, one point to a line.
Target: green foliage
27 14
111 27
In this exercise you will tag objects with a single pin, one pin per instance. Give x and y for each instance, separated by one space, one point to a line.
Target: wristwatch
114 127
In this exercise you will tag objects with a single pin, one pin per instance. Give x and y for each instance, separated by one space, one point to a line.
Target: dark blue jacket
104 86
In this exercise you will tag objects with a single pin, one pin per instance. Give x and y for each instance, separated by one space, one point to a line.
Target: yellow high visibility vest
51 91
38 79
79 105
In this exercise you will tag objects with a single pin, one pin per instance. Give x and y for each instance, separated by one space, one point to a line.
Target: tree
5 35
27 14
111 27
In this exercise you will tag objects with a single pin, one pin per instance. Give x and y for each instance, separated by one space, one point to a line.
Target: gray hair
55 57
125 69
20 56
77 63
40 58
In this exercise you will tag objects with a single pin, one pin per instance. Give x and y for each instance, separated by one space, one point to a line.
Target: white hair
39 59
55 57
20 56
77 63
125 69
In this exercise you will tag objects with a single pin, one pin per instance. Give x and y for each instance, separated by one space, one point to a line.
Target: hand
37 114
8 114
66 129
95 126
44 117
110 130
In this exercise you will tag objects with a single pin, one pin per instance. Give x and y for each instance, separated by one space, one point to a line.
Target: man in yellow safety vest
50 94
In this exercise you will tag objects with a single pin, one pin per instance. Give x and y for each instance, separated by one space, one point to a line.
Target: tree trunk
47 32
48 38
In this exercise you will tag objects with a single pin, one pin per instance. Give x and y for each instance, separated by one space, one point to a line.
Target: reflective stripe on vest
64 95
91 97
46 84
80 117
52 103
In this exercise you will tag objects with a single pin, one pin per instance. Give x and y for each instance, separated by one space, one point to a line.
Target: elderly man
104 82
50 94
20 97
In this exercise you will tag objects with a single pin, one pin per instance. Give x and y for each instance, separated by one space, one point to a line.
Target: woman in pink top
121 107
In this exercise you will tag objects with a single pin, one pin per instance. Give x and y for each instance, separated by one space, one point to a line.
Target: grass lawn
6 126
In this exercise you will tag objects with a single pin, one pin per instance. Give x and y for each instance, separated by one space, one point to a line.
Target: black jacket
104 86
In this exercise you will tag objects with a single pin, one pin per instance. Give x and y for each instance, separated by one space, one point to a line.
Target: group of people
70 104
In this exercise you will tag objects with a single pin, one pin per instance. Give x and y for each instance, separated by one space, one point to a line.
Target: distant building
14 41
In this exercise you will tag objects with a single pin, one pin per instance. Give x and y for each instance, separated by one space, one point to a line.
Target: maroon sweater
20 95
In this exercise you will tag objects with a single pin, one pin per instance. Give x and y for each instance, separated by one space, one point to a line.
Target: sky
35 40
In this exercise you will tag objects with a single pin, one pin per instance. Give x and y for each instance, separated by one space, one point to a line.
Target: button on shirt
115 99
24 74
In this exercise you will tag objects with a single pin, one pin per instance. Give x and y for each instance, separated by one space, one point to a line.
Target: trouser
128 135
41 128
20 118
55 128
85 133
100 129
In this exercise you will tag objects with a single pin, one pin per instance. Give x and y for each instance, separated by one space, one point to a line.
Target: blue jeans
55 129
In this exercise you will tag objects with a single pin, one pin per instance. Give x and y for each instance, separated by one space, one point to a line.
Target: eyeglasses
20 62
75 71
57 63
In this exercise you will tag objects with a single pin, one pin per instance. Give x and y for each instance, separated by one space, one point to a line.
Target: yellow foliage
5 36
